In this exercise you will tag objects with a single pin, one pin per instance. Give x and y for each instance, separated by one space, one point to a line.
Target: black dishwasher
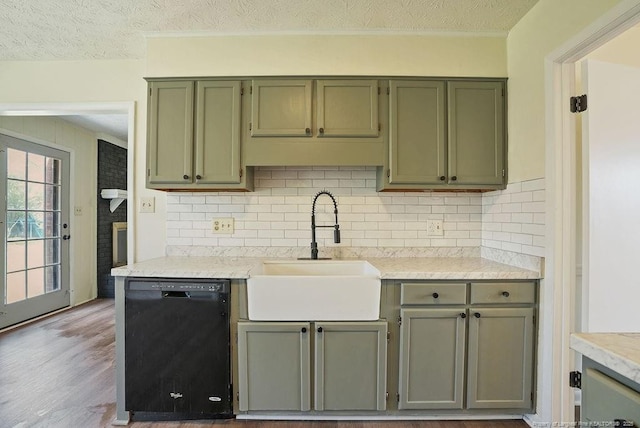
177 356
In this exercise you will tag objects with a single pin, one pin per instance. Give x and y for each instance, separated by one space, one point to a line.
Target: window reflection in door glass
52 198
35 282
16 225
35 253
16 164
52 278
52 171
35 167
35 192
16 192
52 251
16 287
15 256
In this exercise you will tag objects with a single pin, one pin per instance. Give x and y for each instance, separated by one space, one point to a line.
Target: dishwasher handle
178 294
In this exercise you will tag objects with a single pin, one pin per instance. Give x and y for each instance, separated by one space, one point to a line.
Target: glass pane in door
33 225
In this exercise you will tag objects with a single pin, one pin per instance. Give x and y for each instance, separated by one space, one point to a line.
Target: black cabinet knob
442 178
319 329
463 315
321 130
199 177
505 293
435 295
307 131
477 315
454 178
304 329
186 177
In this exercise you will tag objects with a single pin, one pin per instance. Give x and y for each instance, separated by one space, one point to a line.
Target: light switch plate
223 225
434 228
148 205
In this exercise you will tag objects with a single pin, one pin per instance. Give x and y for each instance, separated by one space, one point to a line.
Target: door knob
66 237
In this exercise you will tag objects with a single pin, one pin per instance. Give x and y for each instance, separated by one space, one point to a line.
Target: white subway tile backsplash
277 214
513 220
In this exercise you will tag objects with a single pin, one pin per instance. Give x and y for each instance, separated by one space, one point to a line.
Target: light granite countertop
618 351
390 268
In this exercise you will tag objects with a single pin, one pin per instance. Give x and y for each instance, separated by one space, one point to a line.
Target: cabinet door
170 145
281 108
347 108
500 358
217 132
350 365
274 366
432 343
476 132
417 150
604 400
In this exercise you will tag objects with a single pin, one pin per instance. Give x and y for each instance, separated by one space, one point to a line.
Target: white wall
83 145
544 28
611 145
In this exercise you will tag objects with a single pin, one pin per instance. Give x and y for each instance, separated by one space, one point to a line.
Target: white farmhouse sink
314 290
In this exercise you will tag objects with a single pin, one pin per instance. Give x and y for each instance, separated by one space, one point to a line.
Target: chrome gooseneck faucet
336 231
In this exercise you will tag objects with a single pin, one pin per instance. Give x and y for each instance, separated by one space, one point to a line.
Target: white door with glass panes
34 180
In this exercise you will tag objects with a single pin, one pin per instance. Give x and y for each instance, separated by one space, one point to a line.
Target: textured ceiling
115 29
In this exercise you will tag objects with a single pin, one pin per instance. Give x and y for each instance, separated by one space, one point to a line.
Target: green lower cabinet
350 365
500 358
605 400
274 366
432 353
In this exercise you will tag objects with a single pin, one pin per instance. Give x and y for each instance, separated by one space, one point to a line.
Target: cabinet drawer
433 294
604 400
503 292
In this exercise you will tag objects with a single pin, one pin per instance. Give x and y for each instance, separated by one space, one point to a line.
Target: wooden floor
59 372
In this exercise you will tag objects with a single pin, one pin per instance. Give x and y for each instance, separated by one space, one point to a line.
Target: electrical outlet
434 228
148 205
77 211
223 225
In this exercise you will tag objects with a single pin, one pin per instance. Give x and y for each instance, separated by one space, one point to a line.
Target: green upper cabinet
417 144
194 135
323 122
170 133
281 108
347 108
445 135
217 132
476 133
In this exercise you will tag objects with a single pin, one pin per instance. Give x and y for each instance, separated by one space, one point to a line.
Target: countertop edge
454 268
584 344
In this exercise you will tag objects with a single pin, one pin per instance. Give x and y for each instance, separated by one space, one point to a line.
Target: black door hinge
578 104
575 379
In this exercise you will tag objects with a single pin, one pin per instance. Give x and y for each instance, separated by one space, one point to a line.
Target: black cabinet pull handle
198 177
186 177
435 295
463 315
321 130
304 329
442 178
319 329
477 315
307 131
454 178
505 293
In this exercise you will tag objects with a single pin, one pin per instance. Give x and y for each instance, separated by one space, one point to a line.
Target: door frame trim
556 357
65 109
